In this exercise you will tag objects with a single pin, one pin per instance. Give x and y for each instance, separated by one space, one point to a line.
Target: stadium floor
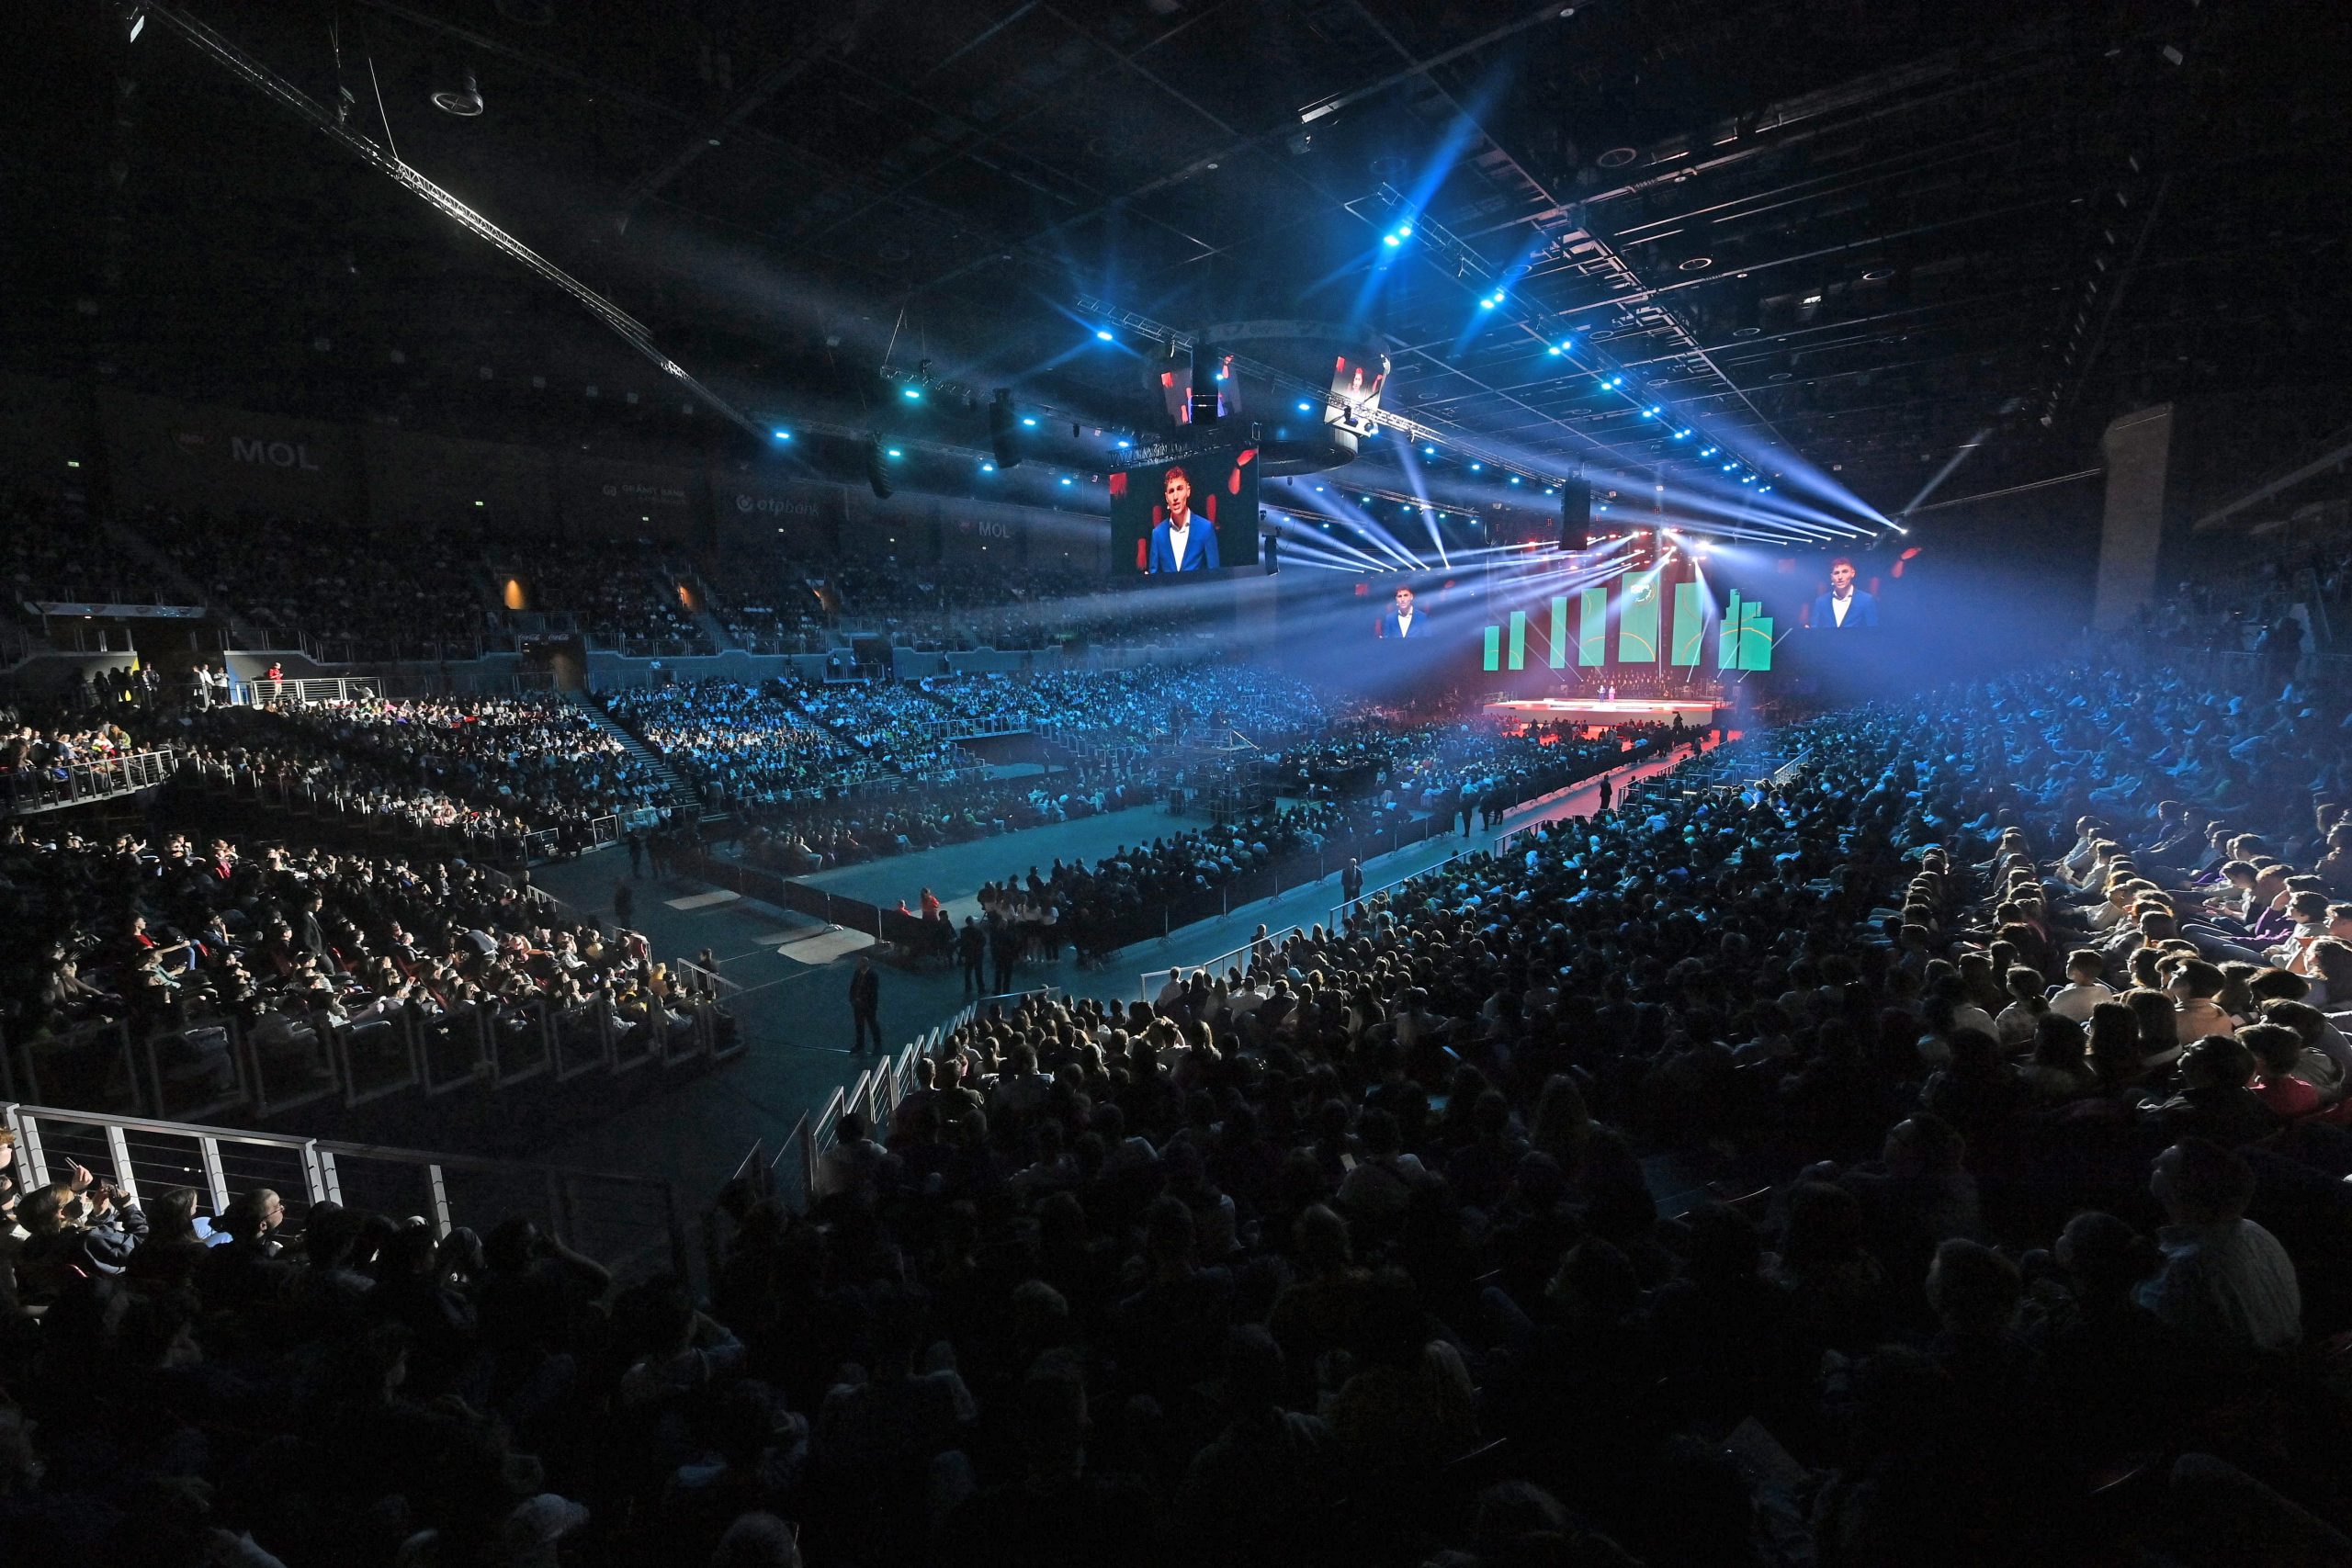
795 1015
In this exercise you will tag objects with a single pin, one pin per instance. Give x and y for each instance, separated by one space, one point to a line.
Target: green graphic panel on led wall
1746 640
1690 624
1592 627
1637 625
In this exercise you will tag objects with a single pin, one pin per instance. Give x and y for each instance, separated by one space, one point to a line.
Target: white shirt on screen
1179 536
1838 607
1405 624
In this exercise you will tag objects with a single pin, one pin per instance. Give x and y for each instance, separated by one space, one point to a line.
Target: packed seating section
2025 1238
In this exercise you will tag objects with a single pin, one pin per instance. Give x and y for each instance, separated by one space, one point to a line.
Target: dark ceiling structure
1864 245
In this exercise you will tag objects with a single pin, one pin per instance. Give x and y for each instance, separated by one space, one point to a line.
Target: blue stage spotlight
895 453
1102 333
1476 467
1307 408
1067 479
987 468
912 394
1030 420
781 434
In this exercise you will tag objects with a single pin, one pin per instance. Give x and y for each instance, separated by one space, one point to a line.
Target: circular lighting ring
1617 157
1698 264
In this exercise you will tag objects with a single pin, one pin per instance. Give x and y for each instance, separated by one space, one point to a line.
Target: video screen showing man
1178 543
1845 607
1401 621
1194 514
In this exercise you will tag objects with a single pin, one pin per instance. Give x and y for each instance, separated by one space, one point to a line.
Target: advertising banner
162 451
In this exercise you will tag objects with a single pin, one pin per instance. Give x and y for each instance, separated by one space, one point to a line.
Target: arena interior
1270 784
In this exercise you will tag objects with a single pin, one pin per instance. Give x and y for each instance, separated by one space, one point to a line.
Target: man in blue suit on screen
1404 621
1844 606
1182 541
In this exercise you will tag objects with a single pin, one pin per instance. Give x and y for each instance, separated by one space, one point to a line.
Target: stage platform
1698 711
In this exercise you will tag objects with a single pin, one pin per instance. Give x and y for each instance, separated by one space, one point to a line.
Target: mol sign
258 450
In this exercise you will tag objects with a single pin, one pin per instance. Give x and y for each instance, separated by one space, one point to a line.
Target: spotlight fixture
913 394
1103 332
462 98
1476 467
781 434
1307 408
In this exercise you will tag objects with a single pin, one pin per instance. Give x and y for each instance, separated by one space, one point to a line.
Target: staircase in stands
680 789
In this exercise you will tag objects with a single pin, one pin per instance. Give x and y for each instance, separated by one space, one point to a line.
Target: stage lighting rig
461 95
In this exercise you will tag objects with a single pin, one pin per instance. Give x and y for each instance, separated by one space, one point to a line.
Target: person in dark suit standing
971 947
1403 621
1352 882
1844 606
864 1006
1607 795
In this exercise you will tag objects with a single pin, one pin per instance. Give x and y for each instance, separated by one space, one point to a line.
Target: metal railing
1236 957
1340 911
788 1173
214 1065
317 689
631 1223
76 784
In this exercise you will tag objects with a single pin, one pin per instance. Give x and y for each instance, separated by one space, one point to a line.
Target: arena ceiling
1866 236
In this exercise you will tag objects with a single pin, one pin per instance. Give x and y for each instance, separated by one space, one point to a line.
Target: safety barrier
210 1066
27 790
1340 911
787 1172
631 1224
1236 957
319 689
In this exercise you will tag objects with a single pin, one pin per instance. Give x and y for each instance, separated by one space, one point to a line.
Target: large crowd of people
368 594
501 767
50 552
238 962
621 593
1930 1157
744 747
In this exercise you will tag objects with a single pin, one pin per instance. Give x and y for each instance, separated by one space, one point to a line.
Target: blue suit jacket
1388 627
1200 548
1863 612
